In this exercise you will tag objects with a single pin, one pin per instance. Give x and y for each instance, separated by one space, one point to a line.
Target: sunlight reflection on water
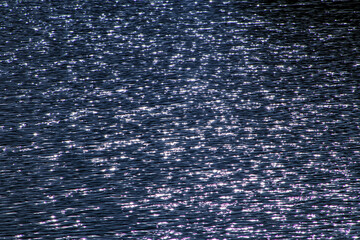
179 120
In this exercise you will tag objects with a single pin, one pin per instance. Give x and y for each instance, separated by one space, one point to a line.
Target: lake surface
161 119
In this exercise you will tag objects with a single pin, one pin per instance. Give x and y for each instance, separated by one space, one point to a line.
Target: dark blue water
161 119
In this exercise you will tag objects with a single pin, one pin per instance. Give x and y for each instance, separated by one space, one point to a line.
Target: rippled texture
161 119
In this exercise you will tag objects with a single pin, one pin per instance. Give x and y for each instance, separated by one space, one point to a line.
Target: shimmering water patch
179 120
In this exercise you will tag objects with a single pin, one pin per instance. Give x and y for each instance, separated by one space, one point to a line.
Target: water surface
179 119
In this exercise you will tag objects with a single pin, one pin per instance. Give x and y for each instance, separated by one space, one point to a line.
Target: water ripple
179 120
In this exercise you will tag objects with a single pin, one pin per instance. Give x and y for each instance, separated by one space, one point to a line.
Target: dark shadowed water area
164 119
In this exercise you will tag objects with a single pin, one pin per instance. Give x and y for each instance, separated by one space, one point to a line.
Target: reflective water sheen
161 119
